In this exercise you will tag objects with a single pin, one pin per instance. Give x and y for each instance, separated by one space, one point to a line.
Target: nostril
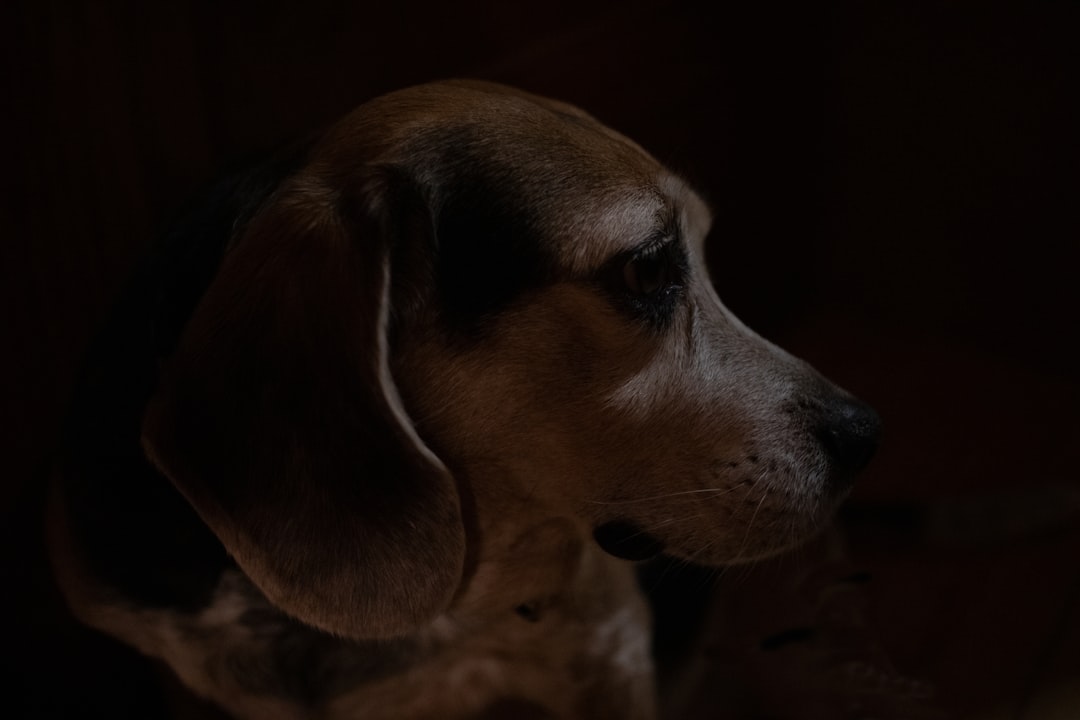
849 432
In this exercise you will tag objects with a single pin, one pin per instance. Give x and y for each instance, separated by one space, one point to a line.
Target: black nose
849 432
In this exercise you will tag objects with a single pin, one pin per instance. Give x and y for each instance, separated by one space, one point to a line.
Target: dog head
468 298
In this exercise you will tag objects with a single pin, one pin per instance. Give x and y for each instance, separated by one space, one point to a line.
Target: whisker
715 492
750 525
667 521
722 571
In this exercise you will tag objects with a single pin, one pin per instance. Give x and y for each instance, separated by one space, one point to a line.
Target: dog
381 428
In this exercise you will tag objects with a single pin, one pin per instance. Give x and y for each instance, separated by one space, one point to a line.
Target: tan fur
497 455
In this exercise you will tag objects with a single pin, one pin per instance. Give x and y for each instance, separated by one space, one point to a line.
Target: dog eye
648 282
648 274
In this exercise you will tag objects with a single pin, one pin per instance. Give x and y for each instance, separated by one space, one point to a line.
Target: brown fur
385 464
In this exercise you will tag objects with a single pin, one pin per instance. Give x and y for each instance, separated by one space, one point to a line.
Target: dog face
613 385
473 308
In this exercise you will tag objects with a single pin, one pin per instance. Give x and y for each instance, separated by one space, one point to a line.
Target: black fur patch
487 239
487 250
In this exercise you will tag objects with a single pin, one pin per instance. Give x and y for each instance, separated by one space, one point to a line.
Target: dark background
896 194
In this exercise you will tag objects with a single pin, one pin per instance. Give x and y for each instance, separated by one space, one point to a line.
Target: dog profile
380 429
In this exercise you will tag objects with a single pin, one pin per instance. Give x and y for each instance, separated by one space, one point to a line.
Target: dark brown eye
647 282
648 274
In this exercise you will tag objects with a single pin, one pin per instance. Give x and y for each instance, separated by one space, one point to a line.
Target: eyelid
652 248
667 243
610 273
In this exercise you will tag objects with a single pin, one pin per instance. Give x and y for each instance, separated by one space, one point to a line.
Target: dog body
409 404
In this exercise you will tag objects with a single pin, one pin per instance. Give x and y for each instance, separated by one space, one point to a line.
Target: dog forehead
591 191
586 190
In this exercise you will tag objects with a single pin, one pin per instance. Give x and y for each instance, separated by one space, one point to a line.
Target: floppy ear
279 421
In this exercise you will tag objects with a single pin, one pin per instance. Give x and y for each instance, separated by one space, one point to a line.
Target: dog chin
783 535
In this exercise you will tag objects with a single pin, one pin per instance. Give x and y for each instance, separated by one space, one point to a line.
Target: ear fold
279 421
